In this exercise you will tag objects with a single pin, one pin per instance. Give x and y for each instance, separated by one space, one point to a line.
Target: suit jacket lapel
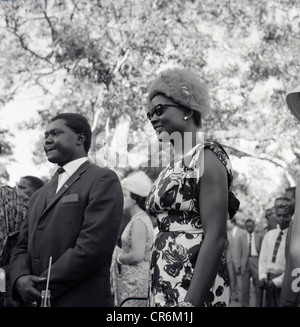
67 185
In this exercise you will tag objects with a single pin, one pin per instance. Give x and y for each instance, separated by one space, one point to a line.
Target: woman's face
170 120
128 201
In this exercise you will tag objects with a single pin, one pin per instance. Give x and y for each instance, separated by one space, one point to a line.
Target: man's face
283 218
290 195
61 143
25 187
250 227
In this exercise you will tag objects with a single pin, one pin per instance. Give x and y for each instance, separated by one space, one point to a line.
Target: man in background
248 252
271 264
29 184
232 259
13 206
270 215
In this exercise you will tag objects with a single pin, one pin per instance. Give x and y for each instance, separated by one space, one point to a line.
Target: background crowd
190 233
133 242
259 260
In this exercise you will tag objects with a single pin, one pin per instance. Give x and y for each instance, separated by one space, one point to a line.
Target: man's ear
81 139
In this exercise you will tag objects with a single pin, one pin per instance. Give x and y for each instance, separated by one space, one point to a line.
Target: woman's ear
188 113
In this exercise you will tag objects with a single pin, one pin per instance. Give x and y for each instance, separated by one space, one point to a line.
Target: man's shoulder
259 234
271 233
241 232
101 171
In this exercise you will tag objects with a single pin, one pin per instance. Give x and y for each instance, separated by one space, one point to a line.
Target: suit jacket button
36 258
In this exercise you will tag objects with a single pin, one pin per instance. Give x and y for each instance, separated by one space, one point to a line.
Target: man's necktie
250 244
53 184
276 247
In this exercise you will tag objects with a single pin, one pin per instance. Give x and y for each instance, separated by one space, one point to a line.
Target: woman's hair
140 200
197 119
35 182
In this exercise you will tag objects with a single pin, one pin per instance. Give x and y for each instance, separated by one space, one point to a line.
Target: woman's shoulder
222 155
142 217
217 149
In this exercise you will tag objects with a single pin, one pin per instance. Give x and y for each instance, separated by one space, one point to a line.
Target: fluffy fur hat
183 87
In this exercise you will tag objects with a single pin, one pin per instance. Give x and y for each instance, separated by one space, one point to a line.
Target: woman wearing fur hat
131 263
189 199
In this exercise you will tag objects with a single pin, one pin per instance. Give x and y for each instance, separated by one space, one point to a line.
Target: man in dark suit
248 253
78 227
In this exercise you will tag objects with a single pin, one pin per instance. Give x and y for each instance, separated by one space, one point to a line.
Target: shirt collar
284 231
72 166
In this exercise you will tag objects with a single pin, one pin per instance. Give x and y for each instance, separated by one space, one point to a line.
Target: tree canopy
97 58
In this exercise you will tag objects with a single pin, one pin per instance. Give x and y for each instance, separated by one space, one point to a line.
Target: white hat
293 102
138 183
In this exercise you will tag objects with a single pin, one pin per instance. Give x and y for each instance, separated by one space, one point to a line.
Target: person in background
124 221
29 184
74 219
189 198
13 207
234 233
270 215
248 253
132 260
271 265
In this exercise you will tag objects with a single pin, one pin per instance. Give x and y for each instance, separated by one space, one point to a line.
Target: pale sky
13 115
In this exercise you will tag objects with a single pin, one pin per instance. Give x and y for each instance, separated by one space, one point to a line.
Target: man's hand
270 284
262 283
25 285
238 271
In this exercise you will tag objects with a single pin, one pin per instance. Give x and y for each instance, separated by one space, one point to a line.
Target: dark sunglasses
159 109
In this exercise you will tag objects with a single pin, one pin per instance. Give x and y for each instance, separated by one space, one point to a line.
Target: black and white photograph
149 157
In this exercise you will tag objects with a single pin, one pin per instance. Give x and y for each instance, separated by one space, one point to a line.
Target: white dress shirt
234 230
265 264
253 247
70 169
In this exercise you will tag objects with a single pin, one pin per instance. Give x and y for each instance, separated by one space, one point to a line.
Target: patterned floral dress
174 201
132 280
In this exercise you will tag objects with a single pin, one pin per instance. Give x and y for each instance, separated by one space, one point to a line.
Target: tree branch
276 161
121 61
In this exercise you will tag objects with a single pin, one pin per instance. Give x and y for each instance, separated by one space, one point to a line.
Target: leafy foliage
97 58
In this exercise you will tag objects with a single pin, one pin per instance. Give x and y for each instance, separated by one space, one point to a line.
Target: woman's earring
185 118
